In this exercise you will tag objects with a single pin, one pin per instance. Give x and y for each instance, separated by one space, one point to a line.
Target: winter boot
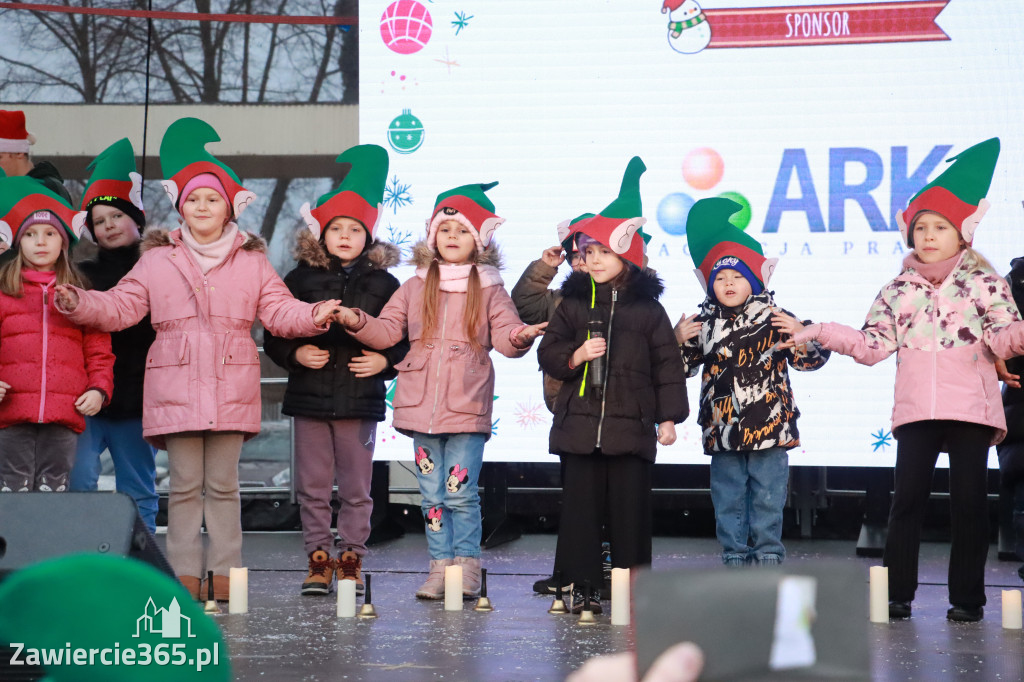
320 578
350 567
470 575
433 588
191 585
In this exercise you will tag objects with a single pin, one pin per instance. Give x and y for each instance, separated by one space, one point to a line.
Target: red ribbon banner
883 22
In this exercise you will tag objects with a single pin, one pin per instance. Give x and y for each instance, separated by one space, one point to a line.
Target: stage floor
286 636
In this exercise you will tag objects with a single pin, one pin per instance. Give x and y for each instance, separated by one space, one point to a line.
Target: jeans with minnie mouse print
448 471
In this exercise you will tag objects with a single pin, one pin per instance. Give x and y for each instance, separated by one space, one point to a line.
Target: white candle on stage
238 590
346 599
453 588
620 596
879 594
1012 615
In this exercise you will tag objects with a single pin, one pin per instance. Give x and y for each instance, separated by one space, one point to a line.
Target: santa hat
360 195
115 182
618 225
67 602
25 201
715 244
958 194
467 205
13 136
183 156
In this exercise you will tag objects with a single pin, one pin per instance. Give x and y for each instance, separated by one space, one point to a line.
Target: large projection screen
824 118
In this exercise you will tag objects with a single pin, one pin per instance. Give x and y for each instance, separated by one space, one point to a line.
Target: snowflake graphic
883 439
397 195
461 21
528 414
494 427
400 238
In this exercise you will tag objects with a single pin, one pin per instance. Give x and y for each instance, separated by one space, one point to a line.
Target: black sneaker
577 600
1020 572
899 609
963 614
548 586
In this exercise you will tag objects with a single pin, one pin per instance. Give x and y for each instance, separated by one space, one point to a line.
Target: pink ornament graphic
406 26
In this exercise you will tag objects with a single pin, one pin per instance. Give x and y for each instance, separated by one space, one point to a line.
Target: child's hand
1011 380
325 311
687 328
346 317
3 389
66 297
553 256
369 364
591 348
666 433
788 325
89 403
526 335
311 356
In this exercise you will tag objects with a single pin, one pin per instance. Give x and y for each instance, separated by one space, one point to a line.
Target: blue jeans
134 462
448 471
748 489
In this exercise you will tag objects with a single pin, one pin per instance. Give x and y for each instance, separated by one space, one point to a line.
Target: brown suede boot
350 567
470 575
433 588
320 578
191 585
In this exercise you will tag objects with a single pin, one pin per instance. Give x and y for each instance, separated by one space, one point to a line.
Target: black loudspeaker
36 526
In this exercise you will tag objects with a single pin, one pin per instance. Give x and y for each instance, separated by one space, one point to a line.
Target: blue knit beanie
733 263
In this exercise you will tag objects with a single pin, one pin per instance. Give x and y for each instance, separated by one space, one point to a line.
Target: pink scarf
209 256
455 278
935 273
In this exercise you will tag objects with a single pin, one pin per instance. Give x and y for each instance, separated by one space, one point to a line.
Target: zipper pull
615 295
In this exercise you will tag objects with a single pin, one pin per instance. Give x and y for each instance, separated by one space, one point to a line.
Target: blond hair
11 280
432 302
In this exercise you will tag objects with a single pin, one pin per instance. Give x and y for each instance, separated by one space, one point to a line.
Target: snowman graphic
688 29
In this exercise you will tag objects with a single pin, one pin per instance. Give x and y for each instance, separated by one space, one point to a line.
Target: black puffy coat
645 384
1013 398
131 345
333 392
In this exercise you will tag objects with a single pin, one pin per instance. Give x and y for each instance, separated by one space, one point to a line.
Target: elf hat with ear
360 195
183 156
715 243
618 225
566 234
23 201
958 194
467 205
115 182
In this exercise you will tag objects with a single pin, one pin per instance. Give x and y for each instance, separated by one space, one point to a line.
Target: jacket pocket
241 379
412 381
167 372
471 387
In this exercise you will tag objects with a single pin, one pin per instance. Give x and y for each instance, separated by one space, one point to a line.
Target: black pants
1011 491
597 489
919 444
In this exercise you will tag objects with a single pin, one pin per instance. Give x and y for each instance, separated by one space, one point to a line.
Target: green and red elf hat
183 156
22 197
711 237
958 194
468 205
618 225
115 182
360 195
566 234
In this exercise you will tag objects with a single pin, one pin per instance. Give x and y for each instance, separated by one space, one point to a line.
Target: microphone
597 365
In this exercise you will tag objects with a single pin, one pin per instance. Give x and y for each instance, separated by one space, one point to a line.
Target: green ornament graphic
741 218
405 134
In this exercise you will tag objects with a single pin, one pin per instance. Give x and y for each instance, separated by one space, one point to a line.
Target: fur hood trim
308 250
645 284
158 236
423 254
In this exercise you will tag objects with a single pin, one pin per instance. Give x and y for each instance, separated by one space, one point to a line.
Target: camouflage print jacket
746 402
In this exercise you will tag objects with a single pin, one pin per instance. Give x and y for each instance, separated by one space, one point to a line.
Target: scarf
455 278
935 273
209 256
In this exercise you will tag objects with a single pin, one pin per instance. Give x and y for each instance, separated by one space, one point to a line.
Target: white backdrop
553 98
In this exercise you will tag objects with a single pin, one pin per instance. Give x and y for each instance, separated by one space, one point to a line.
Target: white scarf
208 256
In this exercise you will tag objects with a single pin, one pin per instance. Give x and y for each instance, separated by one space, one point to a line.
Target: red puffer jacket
48 360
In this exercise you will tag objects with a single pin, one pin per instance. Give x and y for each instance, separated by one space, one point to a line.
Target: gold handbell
558 606
367 611
211 603
587 617
483 604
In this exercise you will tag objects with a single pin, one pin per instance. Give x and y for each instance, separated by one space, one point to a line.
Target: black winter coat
131 345
1011 454
333 392
645 384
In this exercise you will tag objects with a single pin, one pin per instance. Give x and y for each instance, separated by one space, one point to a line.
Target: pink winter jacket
946 338
203 370
444 385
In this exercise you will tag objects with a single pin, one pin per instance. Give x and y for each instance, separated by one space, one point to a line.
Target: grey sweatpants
36 457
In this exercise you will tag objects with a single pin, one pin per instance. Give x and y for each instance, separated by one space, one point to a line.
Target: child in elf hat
606 429
114 216
335 384
203 285
747 411
454 311
53 372
948 315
